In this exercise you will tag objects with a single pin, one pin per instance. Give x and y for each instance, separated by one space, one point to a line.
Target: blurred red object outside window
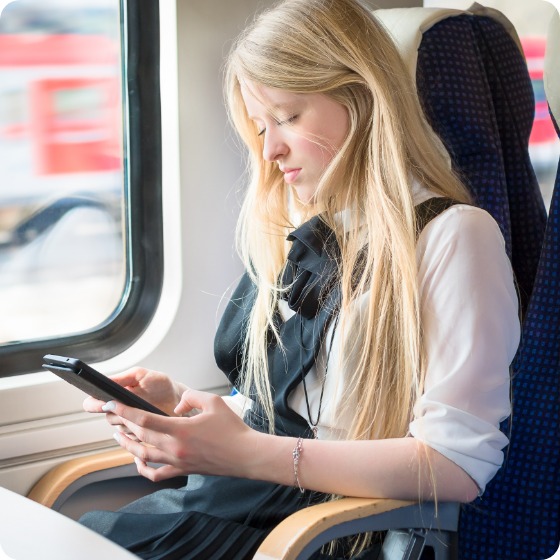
73 126
74 123
543 130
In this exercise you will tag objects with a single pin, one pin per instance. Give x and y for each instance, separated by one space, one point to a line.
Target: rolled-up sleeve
471 333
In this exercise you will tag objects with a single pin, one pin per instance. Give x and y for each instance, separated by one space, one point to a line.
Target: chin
305 194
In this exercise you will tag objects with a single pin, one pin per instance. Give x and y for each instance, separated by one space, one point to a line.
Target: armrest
304 532
292 536
51 486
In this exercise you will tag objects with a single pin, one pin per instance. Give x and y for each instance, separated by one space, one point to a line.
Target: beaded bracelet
296 454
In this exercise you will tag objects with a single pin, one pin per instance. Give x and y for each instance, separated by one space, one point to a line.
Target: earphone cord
311 423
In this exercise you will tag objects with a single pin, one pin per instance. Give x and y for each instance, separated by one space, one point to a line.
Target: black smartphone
95 384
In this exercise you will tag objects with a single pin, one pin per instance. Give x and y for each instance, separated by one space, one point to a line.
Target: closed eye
287 121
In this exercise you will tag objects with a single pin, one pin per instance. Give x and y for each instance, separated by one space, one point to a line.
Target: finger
128 434
128 378
147 454
147 427
93 405
139 417
117 422
113 419
146 435
125 430
155 475
197 399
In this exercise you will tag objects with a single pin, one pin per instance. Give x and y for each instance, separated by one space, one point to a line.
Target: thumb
93 405
191 400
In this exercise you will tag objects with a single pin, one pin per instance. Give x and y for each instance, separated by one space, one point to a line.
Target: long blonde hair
339 48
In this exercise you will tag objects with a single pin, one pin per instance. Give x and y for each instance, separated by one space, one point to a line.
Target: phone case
96 384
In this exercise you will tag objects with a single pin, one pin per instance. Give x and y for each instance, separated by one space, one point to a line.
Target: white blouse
469 312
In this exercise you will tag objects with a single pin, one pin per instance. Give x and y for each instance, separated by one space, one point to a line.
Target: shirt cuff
471 443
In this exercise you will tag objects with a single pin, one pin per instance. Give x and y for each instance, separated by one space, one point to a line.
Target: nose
274 145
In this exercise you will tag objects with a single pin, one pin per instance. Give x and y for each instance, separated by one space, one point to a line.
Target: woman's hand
215 442
218 442
152 386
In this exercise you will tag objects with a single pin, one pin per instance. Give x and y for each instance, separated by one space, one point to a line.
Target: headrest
477 10
407 25
551 70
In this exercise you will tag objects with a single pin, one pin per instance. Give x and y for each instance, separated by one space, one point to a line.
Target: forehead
261 100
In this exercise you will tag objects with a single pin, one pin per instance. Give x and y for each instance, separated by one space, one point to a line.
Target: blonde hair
339 48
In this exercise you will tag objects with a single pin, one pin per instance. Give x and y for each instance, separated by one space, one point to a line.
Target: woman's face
304 135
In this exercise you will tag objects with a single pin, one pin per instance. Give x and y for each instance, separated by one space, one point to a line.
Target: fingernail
108 407
117 438
136 460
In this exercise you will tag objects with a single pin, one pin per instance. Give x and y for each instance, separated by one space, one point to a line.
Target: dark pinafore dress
223 518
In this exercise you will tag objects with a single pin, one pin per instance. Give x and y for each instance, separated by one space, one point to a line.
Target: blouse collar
346 218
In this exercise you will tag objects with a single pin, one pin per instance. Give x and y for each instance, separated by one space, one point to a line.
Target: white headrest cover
551 67
407 25
478 10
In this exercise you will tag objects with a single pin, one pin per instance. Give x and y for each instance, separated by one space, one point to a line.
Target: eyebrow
277 106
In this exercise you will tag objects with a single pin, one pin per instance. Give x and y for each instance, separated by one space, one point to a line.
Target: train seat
485 120
476 93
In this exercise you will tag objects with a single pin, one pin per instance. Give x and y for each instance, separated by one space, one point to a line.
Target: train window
531 19
80 206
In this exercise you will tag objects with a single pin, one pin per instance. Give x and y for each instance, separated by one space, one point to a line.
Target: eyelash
290 120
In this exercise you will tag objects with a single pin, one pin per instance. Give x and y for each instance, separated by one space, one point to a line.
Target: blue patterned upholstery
518 516
477 94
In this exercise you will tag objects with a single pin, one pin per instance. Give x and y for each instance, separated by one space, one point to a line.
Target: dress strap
429 209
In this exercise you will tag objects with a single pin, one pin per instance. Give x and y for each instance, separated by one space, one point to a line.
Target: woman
371 348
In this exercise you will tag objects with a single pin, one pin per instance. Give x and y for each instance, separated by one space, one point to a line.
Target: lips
290 174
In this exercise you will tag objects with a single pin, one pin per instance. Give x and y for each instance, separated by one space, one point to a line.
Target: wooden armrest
49 488
294 533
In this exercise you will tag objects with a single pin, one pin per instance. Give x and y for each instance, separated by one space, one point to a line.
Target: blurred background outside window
531 19
62 242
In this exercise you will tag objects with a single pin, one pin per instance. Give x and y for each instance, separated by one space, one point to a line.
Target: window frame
143 207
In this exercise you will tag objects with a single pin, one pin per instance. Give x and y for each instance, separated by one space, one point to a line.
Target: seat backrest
478 96
518 516
476 92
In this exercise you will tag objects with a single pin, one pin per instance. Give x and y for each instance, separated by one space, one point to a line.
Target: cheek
317 156
330 140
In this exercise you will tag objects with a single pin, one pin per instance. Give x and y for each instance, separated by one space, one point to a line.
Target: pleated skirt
213 517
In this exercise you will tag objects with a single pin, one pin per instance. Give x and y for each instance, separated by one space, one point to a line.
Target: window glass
531 19
62 243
